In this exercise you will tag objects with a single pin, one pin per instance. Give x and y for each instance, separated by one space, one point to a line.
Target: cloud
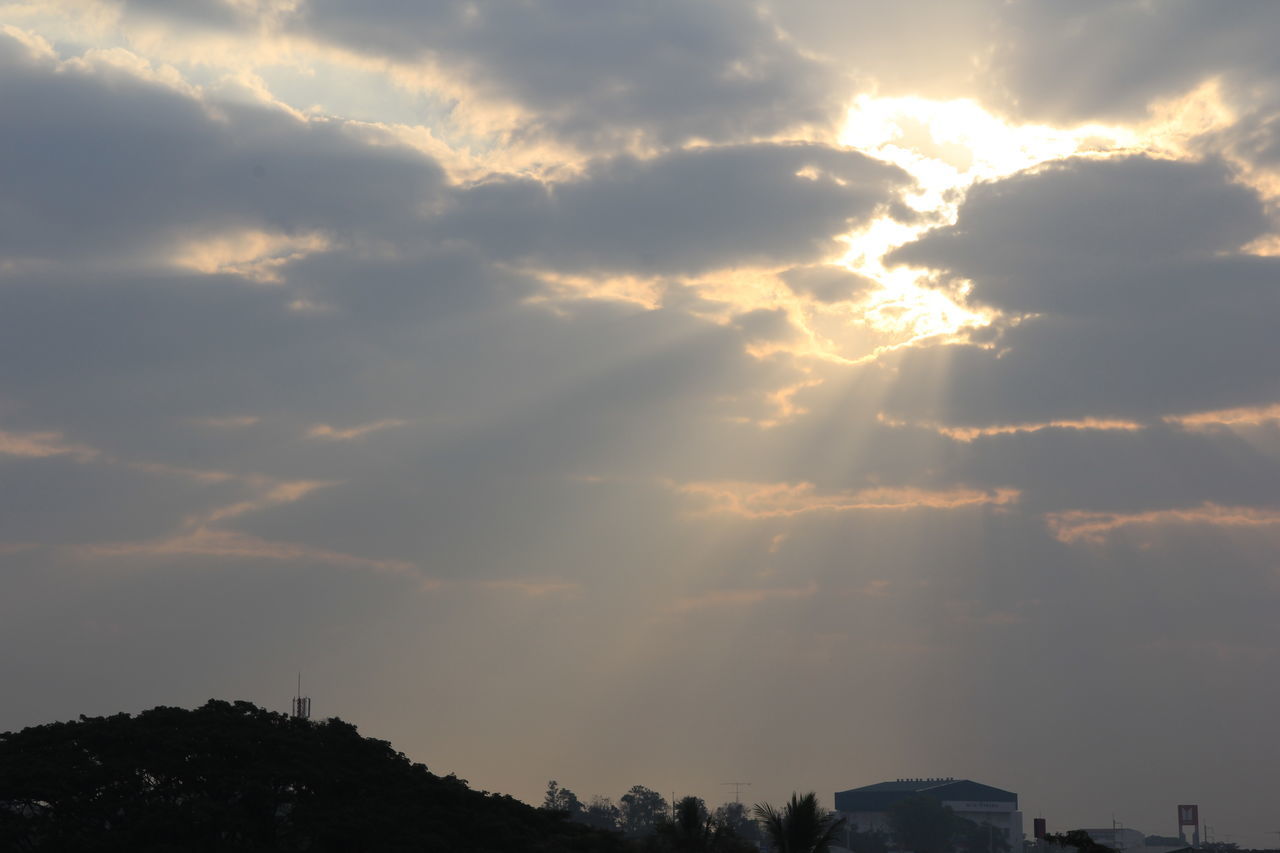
1112 60
782 500
1085 236
68 499
1117 471
215 14
228 421
968 434
196 522
325 431
41 444
682 212
204 542
668 73
269 493
1137 301
256 255
1096 527
672 73
129 165
1239 417
827 284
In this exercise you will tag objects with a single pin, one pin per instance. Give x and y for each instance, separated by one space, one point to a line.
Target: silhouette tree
641 810
560 799
801 826
736 818
601 813
1078 839
692 830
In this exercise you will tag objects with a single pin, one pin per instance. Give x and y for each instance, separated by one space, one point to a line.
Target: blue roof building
868 806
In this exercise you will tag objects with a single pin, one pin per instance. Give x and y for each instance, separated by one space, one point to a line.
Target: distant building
1119 838
869 806
1132 841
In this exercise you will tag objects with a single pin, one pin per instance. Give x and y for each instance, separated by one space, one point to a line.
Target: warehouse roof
883 795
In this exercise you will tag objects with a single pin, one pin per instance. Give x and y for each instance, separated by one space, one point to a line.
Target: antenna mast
301 704
737 789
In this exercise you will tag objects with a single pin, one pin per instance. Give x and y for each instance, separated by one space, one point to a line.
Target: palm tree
691 828
801 826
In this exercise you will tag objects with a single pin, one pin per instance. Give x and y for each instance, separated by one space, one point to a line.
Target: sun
947 147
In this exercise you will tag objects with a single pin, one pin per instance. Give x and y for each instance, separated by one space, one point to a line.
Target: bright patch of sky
946 146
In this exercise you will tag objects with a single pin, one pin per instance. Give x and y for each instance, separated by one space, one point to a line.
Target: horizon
304 711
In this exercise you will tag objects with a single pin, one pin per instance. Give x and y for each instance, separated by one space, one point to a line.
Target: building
1119 838
868 807
1132 841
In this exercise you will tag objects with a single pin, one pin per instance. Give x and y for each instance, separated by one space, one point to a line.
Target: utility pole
737 790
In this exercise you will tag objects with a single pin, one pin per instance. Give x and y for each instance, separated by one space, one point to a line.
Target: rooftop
883 795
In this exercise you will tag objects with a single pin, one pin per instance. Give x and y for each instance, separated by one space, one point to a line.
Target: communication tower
301 704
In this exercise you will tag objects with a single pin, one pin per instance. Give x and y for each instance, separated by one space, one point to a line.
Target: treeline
644 813
650 825
919 823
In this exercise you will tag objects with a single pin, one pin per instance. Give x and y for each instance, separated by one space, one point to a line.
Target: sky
668 393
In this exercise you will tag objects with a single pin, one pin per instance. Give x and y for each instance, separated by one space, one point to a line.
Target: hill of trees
232 776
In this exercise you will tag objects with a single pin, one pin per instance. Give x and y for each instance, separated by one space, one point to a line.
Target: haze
808 394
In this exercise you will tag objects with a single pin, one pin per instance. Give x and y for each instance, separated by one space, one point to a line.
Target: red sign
1188 816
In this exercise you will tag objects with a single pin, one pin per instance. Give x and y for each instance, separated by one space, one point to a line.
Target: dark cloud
397 326
683 212
827 283
62 501
1109 60
132 364
1127 367
1120 470
1142 309
1087 236
126 166
669 71
205 14
104 163
766 325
